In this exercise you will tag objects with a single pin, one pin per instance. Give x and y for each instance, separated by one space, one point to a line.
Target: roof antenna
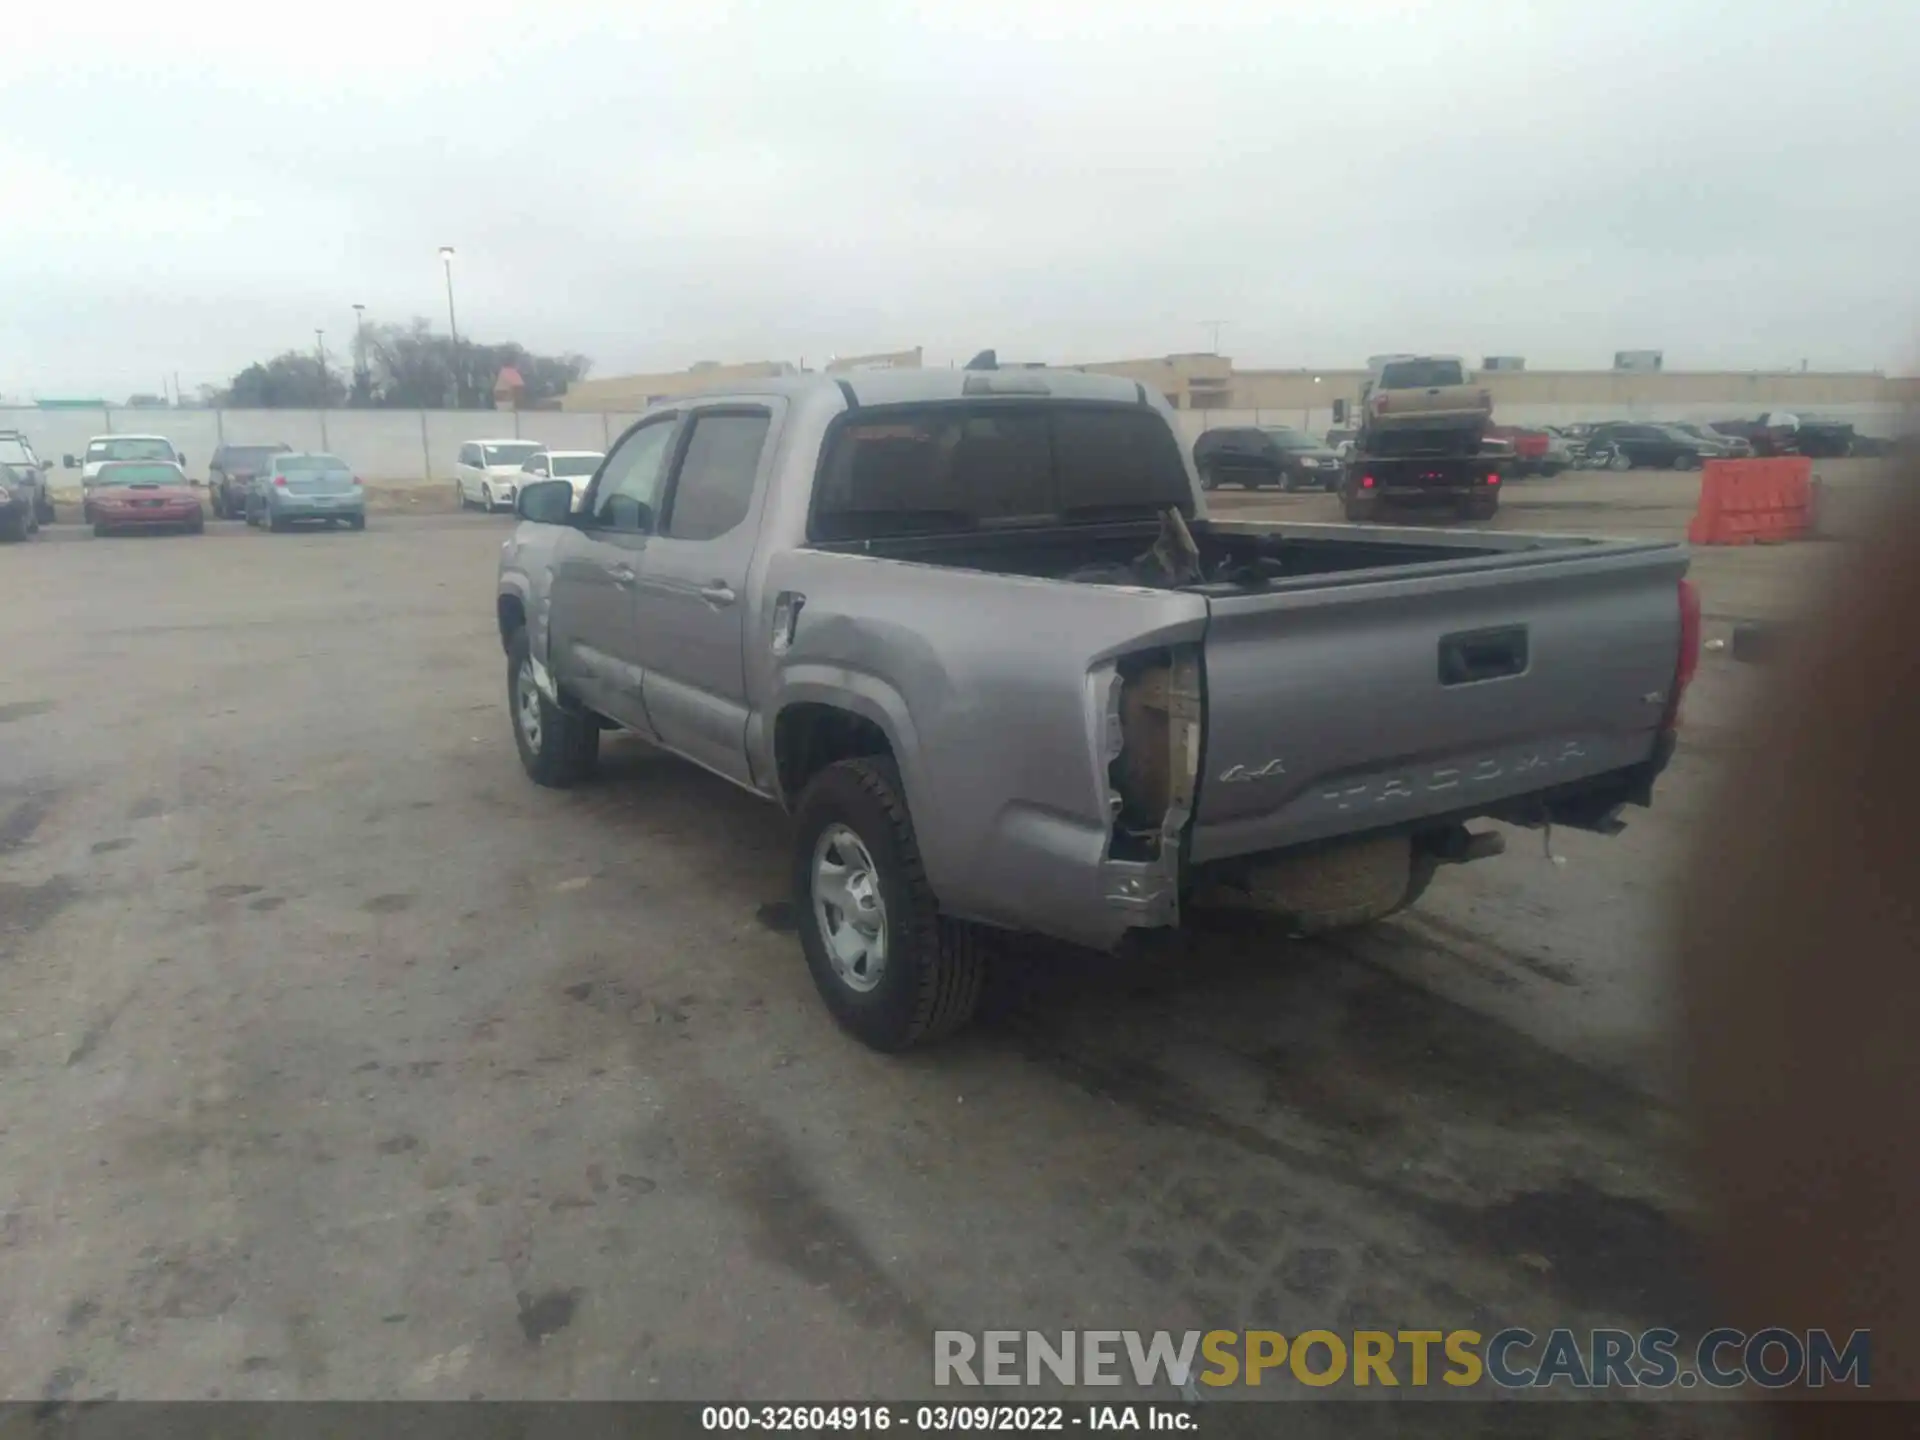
985 360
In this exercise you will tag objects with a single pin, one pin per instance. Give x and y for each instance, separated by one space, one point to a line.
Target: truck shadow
1524 1177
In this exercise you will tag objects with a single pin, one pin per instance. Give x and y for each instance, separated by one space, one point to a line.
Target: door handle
620 574
717 592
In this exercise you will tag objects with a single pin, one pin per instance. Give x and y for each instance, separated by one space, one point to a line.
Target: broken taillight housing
1689 659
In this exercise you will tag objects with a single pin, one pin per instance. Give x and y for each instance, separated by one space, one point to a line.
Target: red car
144 495
1534 452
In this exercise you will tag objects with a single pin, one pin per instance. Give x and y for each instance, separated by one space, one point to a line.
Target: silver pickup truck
976 631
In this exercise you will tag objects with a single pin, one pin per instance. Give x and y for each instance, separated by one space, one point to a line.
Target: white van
487 473
104 448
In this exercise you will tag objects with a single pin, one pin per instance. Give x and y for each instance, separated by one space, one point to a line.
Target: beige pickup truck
1432 396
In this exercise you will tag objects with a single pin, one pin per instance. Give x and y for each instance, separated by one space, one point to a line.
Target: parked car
1714 444
31 473
19 514
576 466
1632 445
1340 440
299 487
1252 456
144 495
110 449
230 475
1080 707
1535 452
489 472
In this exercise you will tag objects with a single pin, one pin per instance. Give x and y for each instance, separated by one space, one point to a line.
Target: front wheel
1685 462
558 748
1209 480
358 522
892 970
1620 460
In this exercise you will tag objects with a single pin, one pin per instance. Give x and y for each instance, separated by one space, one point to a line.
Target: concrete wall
396 446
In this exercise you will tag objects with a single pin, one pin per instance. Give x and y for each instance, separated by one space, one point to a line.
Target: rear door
593 644
1372 699
691 598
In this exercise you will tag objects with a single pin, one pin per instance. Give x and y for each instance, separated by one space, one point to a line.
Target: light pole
1214 326
453 330
320 344
362 376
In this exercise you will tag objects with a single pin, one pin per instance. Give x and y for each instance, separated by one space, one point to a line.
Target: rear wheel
358 522
1685 461
1620 460
14 527
890 967
558 748
100 529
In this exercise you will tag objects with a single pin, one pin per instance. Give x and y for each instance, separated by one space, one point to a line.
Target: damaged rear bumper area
1153 723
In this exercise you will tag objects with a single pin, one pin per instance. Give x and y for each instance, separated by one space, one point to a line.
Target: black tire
99 530
1620 461
44 511
936 967
216 499
1208 479
357 522
276 524
1686 462
13 528
567 748
197 525
1479 510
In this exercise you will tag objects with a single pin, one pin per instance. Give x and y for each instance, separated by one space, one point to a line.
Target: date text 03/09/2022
916 1419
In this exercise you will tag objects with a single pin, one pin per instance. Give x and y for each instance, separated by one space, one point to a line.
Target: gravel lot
340 1060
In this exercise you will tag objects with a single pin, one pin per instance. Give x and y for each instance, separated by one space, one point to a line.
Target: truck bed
1351 681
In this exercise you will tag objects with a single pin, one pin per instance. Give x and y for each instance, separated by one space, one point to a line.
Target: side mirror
545 502
182 459
69 462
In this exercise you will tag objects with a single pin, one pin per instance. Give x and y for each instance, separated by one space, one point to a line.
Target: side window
469 455
715 484
628 492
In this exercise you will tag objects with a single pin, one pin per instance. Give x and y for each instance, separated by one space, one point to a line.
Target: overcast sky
191 186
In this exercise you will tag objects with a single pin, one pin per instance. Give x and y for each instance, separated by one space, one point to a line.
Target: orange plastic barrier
1754 502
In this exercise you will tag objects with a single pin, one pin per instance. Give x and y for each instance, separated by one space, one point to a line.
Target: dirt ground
338 1060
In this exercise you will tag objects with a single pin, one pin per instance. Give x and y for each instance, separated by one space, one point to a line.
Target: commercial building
1213 385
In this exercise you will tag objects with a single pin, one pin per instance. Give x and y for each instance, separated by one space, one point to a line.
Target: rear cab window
929 469
1421 374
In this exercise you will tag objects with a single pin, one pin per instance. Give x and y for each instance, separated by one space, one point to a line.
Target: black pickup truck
1778 433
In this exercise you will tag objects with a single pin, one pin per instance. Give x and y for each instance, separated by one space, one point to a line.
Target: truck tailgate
1347 703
